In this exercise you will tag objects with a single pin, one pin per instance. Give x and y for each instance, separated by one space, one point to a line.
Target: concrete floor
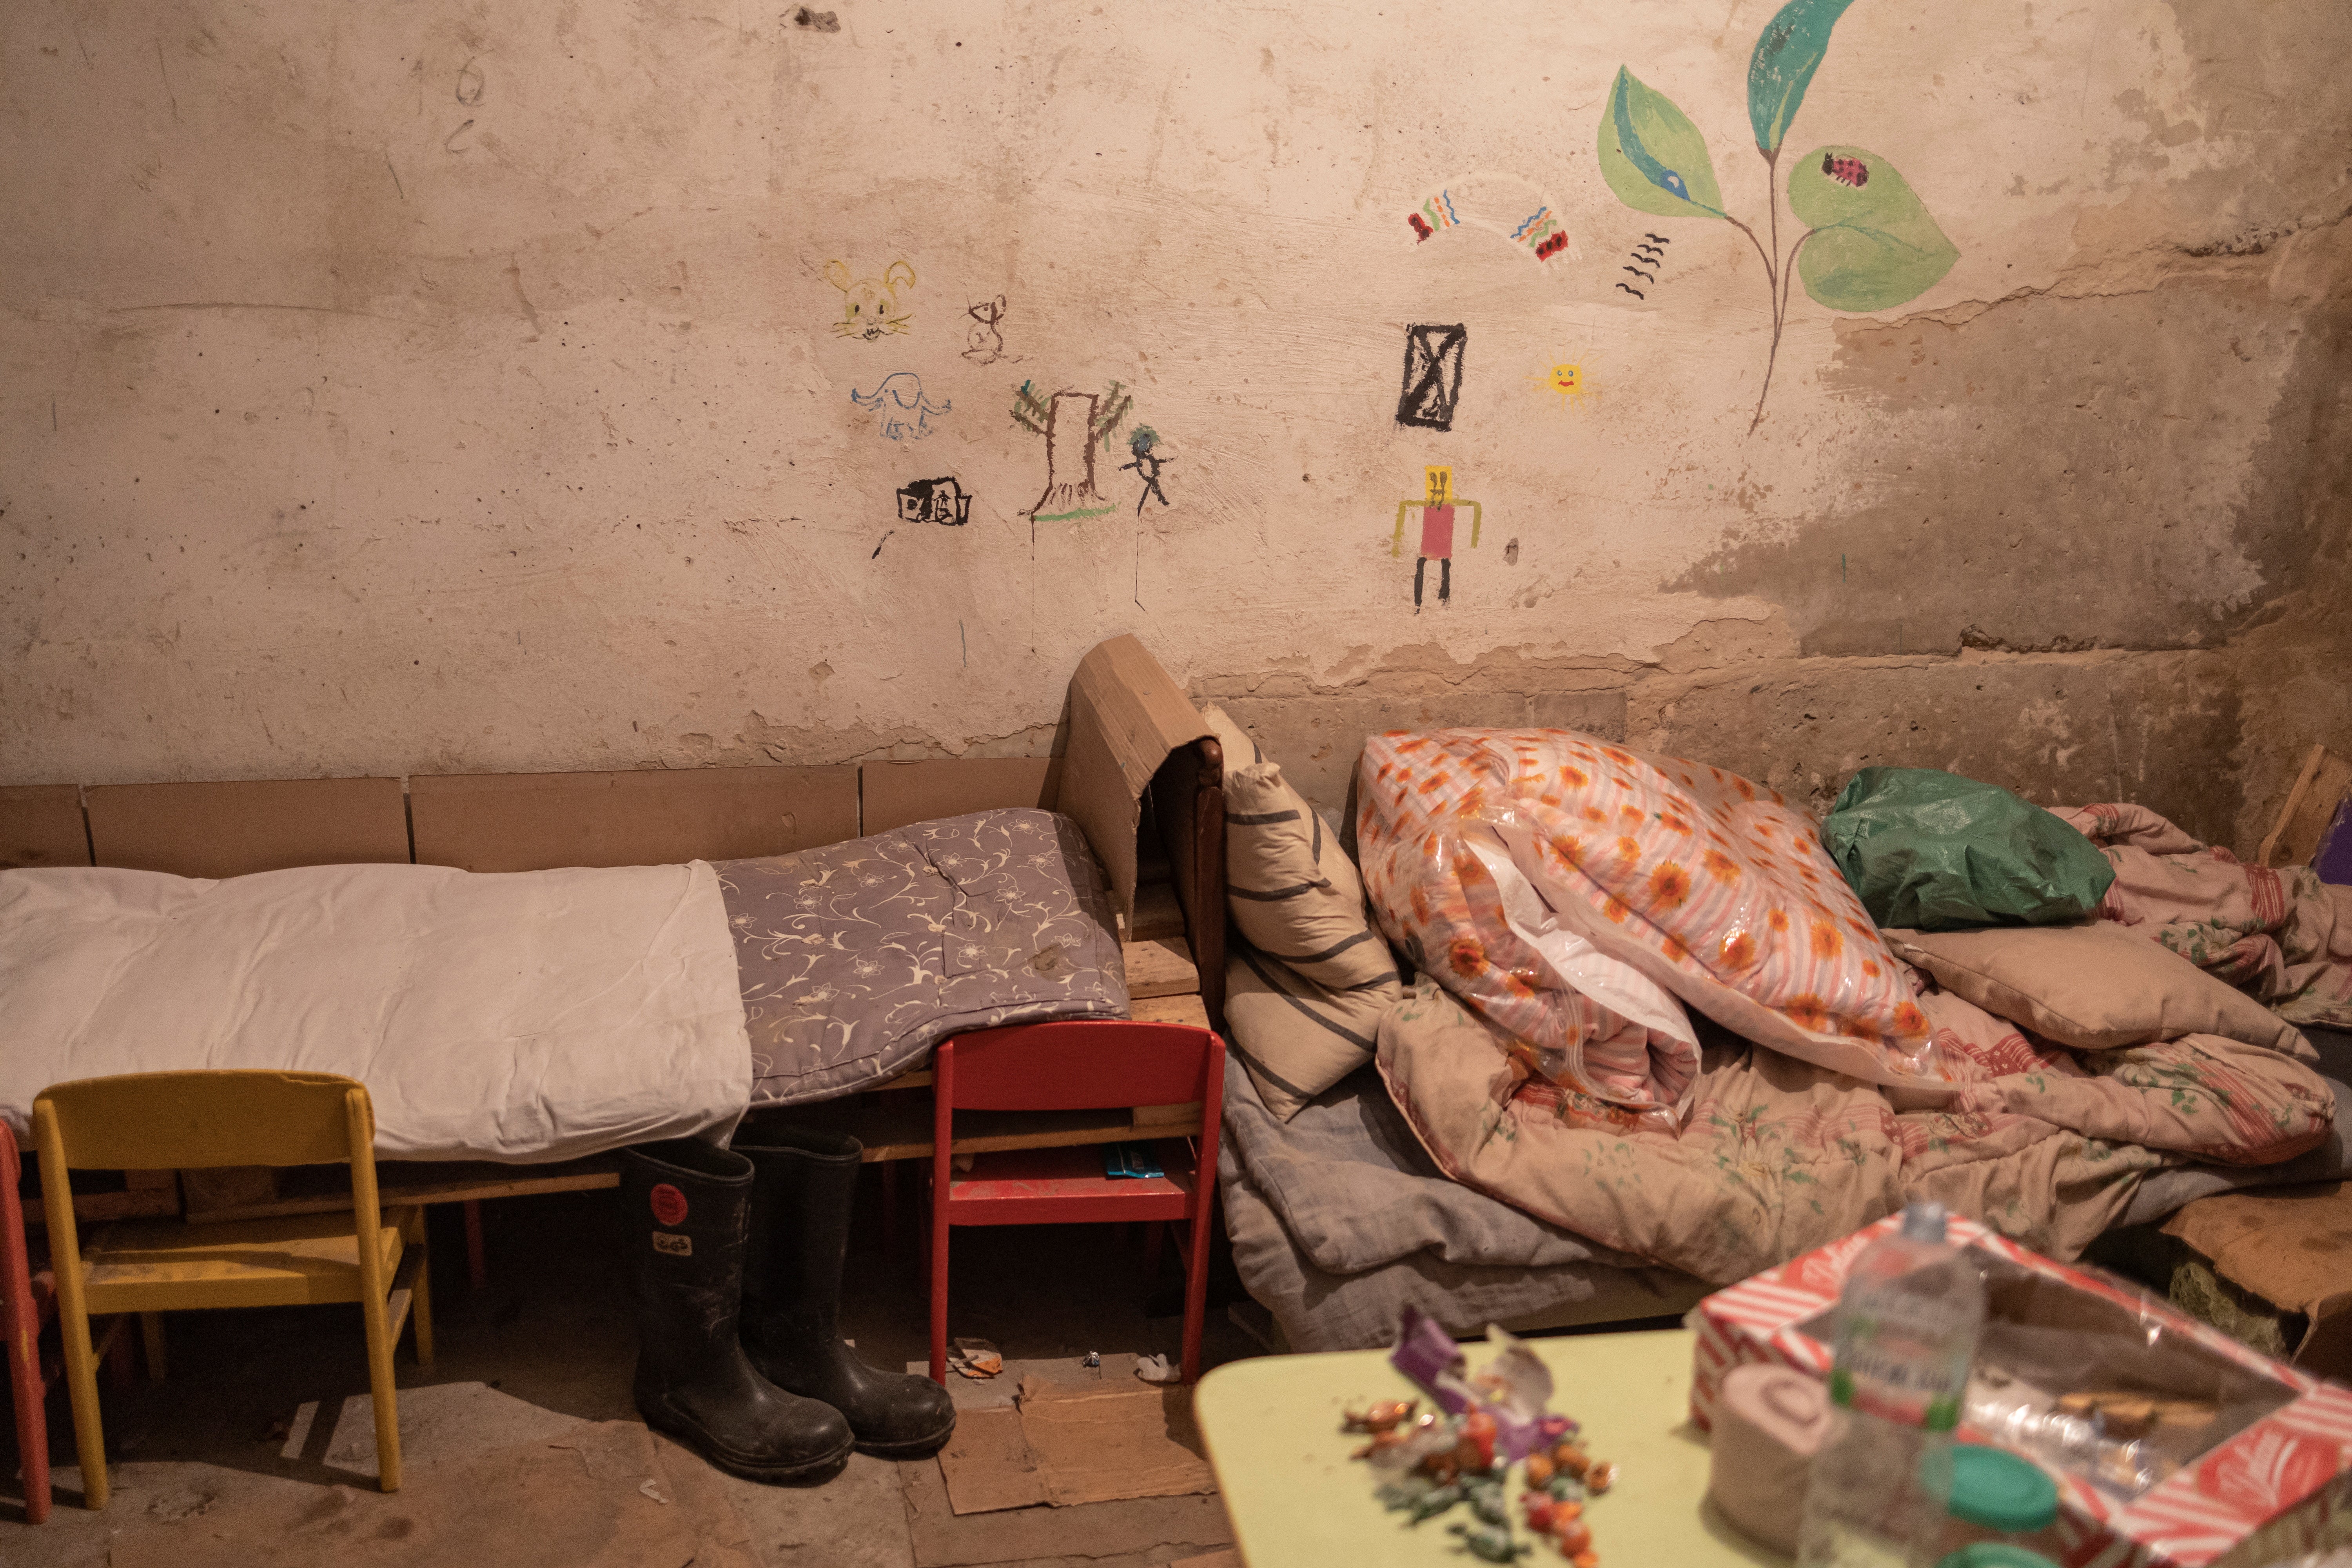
277 1398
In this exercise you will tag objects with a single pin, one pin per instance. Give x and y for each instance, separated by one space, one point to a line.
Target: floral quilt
855 959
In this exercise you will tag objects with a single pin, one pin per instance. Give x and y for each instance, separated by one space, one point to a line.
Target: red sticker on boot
669 1203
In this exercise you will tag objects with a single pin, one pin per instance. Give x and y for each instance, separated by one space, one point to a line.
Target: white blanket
523 1016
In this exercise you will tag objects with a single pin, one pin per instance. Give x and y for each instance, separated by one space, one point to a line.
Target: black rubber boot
685 1205
804 1185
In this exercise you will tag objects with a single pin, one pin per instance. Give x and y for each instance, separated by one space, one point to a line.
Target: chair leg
420 1300
383 1395
20 1323
478 1262
150 1330
1196 1286
939 1281
81 1385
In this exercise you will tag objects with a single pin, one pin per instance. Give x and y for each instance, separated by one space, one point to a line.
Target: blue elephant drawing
906 413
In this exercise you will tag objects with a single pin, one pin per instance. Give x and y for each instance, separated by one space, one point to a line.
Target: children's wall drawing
1502 204
1432 376
1142 446
941 501
1566 383
1868 243
1074 424
869 306
983 342
1645 261
907 414
1437 507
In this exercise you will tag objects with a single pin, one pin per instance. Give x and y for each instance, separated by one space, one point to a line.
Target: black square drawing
1433 376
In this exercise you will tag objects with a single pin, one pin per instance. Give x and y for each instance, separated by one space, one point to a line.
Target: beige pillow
1295 1038
2095 987
1240 750
1293 891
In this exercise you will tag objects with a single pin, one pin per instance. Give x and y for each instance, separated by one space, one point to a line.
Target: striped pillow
1297 1039
1293 891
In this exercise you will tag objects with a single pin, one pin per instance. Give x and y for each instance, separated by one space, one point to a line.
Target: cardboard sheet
1126 716
40 825
2292 1247
530 822
1068 1445
256 825
892 794
598 1497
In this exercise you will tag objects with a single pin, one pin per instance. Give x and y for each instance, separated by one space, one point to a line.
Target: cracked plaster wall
444 387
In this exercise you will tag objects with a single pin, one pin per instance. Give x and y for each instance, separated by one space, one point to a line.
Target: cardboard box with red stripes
2277 1486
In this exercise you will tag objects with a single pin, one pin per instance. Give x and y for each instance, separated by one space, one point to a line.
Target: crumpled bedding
1778 1156
1758 1144
2284 936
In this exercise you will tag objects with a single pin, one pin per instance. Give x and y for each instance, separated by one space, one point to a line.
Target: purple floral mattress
856 958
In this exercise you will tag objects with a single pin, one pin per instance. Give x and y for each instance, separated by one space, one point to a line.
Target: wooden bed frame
1172 926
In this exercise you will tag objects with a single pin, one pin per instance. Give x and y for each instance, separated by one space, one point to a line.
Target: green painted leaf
1788 51
1873 245
1653 156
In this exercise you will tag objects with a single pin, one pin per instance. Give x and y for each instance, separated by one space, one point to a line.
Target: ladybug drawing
1845 171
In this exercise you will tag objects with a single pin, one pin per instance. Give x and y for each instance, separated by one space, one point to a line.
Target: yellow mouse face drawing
869 306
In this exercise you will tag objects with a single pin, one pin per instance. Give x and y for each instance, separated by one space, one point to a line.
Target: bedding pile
1567 900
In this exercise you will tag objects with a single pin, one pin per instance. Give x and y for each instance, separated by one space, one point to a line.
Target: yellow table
1272 1428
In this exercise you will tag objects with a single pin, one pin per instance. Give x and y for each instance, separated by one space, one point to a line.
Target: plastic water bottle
1905 1332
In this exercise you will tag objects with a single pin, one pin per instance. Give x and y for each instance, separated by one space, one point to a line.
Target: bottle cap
1999 1491
1995 1554
1924 1221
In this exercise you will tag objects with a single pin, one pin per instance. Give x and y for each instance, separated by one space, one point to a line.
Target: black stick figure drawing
1147 465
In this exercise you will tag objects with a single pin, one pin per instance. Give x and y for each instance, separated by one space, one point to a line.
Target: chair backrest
174 1120
1082 1065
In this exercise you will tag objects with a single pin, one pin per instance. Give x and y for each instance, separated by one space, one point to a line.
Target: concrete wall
432 385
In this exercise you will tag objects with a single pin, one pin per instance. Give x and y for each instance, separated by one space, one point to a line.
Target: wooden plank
532 822
40 825
1171 1010
1161 967
892 794
327 1189
230 829
1157 913
2323 785
897 1129
1155 1116
90 1209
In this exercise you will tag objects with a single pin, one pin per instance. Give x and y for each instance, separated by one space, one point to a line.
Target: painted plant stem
1867 243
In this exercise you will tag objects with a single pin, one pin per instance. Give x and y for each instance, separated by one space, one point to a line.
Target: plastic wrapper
1573 892
2111 1396
1930 850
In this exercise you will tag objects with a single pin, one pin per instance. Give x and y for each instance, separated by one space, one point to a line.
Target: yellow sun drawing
1568 381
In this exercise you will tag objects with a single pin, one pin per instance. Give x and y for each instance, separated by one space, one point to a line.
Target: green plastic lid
1999 1491
1995 1554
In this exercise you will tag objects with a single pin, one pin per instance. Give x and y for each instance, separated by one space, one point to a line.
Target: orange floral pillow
1712 886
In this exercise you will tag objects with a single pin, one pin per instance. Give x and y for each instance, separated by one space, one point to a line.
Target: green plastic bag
1931 851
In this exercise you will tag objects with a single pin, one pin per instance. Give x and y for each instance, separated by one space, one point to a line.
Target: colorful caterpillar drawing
1475 200
1845 171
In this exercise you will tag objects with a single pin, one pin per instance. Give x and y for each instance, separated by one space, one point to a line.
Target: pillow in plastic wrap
1700 881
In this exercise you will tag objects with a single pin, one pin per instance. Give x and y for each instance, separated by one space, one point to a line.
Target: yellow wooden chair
166 1120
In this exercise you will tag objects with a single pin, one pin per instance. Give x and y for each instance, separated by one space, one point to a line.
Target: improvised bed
740 905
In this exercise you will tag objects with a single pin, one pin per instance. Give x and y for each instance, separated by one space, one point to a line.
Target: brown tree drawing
1074 424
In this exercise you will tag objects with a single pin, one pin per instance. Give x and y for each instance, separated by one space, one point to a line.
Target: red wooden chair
1083 1065
24 1301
